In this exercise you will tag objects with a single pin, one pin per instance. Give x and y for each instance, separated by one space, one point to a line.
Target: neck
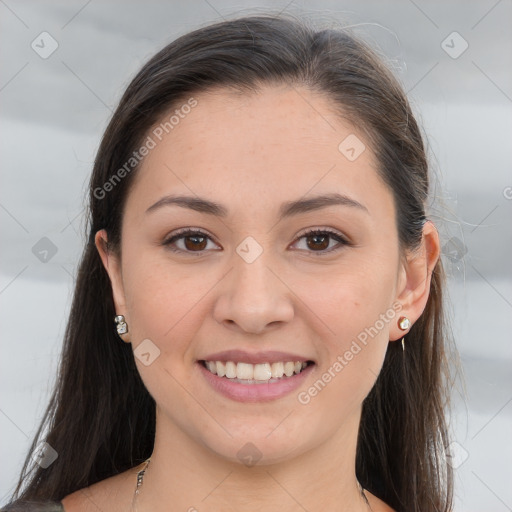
192 477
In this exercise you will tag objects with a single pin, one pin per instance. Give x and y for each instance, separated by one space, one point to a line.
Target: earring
404 323
122 327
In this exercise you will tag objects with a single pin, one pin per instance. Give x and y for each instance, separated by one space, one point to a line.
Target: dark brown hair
101 418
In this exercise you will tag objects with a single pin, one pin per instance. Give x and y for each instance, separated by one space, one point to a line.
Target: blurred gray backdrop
63 68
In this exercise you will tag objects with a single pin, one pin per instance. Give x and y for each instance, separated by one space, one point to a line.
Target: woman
258 315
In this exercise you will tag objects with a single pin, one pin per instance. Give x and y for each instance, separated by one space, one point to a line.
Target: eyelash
184 233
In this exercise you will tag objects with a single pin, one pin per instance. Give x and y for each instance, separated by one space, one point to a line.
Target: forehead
278 144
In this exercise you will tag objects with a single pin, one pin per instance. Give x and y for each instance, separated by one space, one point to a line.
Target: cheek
347 301
165 307
352 314
165 301
351 358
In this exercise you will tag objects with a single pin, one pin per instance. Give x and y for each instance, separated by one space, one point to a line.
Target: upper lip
241 356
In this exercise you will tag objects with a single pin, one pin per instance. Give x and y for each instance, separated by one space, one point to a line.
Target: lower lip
263 392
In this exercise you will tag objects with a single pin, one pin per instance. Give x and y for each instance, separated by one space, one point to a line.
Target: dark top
33 506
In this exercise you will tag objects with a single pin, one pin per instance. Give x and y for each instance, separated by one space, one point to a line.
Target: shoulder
113 494
33 506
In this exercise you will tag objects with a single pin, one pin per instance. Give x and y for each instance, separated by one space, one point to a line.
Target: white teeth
289 368
259 372
230 370
262 371
244 371
221 368
277 370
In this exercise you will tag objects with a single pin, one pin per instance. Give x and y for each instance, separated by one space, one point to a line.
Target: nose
253 297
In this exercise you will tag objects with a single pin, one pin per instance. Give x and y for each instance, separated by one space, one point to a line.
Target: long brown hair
101 418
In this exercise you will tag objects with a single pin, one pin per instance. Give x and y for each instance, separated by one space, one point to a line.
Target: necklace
140 478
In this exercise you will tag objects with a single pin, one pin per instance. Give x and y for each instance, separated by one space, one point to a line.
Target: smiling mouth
247 373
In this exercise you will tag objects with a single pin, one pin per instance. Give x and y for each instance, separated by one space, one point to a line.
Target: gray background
54 111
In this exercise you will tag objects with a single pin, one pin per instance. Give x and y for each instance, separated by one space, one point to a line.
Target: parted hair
100 418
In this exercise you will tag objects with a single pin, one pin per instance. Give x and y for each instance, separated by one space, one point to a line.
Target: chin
256 447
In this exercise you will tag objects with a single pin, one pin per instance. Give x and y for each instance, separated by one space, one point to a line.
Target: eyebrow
287 209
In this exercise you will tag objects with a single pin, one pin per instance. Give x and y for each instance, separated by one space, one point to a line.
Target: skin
250 153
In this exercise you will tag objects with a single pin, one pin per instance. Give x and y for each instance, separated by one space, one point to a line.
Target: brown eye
193 241
318 241
196 242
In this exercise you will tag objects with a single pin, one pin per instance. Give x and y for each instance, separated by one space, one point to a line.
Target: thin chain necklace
140 478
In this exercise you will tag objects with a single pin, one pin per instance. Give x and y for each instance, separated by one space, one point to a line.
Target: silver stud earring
121 325
404 323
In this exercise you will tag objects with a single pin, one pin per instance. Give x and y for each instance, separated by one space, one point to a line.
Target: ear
415 278
112 265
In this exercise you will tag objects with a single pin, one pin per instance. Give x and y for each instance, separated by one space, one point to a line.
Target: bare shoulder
113 494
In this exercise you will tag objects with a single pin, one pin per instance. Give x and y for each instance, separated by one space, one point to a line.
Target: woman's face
252 281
